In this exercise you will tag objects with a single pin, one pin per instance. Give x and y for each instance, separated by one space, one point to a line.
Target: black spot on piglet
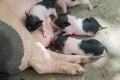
47 3
92 46
91 25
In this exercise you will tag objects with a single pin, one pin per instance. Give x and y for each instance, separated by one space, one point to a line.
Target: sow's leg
42 62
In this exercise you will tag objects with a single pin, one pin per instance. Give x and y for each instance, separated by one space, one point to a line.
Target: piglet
38 13
69 45
72 25
64 3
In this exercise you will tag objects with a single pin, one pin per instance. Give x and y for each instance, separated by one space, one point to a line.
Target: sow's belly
45 41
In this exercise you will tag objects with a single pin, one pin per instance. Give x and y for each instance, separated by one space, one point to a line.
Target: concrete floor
91 74
105 10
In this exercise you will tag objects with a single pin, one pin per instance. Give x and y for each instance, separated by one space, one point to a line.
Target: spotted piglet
72 25
69 45
64 3
38 13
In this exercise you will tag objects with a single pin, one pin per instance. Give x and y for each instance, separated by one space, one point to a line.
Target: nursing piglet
64 3
45 41
72 25
69 45
38 13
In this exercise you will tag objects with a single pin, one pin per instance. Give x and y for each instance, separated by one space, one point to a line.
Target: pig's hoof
85 59
81 59
78 71
74 69
90 8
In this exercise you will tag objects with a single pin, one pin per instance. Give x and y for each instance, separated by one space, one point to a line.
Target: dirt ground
107 12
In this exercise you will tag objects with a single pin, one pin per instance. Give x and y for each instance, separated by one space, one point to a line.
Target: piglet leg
67 33
89 34
62 5
58 32
90 6
88 3
54 13
85 34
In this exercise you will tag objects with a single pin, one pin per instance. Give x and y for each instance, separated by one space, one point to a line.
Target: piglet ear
26 14
67 23
41 21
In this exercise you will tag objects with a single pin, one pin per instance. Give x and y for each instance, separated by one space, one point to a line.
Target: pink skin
74 29
35 54
42 13
45 41
64 3
71 46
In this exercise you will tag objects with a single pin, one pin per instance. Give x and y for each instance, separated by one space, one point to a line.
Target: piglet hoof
90 34
90 8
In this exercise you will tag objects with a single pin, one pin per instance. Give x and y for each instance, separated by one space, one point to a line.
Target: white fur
72 47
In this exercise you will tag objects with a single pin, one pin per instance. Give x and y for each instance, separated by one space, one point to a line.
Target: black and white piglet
69 45
38 13
72 25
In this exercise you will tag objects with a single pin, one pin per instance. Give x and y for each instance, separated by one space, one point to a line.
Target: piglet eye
37 22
